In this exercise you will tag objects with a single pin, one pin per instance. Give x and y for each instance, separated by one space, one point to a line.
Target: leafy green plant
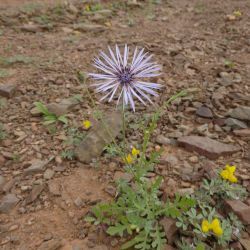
138 209
68 154
50 118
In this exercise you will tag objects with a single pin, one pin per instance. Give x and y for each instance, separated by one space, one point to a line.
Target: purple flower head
119 74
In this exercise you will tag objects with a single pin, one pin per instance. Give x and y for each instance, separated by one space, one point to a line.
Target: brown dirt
191 39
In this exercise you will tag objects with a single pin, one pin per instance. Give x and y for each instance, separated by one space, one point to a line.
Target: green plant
3 103
4 73
68 154
2 132
50 118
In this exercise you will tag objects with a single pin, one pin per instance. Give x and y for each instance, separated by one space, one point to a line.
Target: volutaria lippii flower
124 76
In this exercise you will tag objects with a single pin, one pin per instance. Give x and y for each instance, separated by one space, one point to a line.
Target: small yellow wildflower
228 173
128 159
135 151
205 226
237 13
216 227
86 124
213 226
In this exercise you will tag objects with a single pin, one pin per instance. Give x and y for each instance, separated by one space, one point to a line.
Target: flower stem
124 127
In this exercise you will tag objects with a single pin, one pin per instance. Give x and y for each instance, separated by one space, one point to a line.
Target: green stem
124 127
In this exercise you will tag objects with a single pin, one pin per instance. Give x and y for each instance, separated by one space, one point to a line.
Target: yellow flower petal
224 174
215 223
230 169
86 124
205 226
218 231
135 151
232 178
128 159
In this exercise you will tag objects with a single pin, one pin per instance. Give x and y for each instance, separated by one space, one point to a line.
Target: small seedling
50 118
68 154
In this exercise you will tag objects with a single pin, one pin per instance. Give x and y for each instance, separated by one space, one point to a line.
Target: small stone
78 202
8 202
53 244
242 132
169 159
34 194
121 175
36 167
48 236
33 28
241 113
86 27
110 190
170 229
210 148
235 124
204 112
193 159
48 174
161 139
7 90
13 228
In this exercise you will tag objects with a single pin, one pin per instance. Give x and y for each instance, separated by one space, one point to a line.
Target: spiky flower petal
126 77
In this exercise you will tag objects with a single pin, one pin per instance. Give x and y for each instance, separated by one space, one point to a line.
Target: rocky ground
203 47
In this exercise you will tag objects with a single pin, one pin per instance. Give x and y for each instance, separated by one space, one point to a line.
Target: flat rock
7 90
53 244
36 167
204 112
8 202
245 243
62 107
87 27
242 132
2 182
241 209
36 191
235 124
170 228
48 174
93 144
210 148
242 113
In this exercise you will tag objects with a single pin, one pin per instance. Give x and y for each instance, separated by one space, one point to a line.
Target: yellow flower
205 226
214 226
128 159
135 151
237 13
86 124
228 173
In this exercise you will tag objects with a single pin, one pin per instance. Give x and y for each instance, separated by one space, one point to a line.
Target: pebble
48 174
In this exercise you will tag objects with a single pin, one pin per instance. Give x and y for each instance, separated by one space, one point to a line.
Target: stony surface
210 148
8 202
170 228
204 112
7 90
94 143
242 113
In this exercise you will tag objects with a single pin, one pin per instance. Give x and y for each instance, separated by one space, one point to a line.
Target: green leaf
89 219
42 108
63 119
129 244
117 229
